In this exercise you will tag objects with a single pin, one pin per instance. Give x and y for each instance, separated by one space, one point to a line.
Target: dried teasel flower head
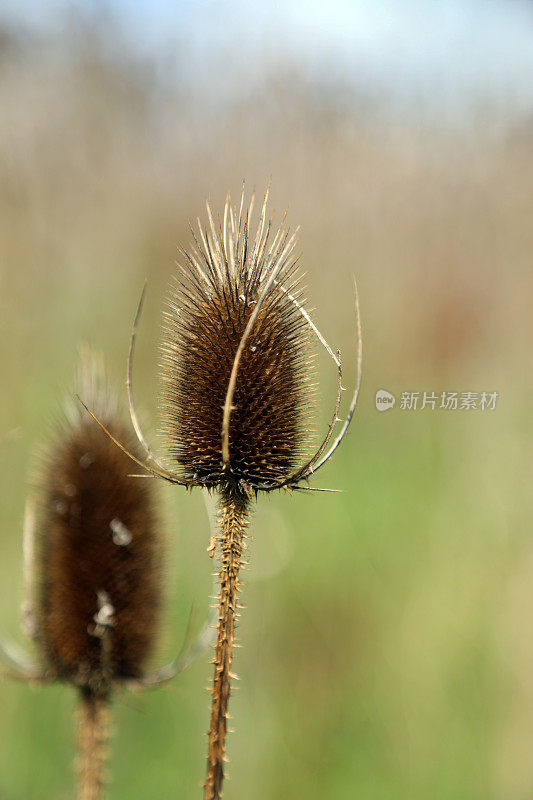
97 549
236 299
234 363
234 401
92 564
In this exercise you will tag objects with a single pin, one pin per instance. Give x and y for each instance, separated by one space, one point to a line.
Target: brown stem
233 522
93 733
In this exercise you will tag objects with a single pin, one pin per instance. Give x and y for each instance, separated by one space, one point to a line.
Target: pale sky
449 47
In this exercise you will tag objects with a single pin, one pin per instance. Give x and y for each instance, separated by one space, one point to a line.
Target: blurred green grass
386 641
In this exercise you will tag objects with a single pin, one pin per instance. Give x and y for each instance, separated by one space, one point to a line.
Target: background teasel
99 552
93 551
235 400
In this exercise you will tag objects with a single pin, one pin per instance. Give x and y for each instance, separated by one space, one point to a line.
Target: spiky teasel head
97 549
235 362
234 397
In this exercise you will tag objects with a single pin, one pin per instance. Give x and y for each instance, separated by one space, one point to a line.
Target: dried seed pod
92 564
234 400
235 375
234 304
199 350
98 548
93 606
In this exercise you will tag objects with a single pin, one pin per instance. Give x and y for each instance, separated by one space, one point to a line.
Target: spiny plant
235 401
93 547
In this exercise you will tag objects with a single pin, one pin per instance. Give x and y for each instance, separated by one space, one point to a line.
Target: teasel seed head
234 365
98 549
221 280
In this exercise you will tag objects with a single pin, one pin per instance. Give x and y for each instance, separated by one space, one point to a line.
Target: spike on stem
233 523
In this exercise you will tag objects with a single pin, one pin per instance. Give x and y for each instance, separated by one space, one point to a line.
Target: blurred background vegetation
387 640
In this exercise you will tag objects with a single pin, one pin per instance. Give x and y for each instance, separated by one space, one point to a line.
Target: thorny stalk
233 523
93 735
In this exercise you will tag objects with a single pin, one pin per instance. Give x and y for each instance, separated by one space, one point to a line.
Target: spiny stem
93 734
233 522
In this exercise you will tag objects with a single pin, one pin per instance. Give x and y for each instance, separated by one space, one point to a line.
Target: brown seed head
234 314
98 551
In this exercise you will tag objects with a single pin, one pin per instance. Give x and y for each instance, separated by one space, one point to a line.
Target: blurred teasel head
97 549
93 558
